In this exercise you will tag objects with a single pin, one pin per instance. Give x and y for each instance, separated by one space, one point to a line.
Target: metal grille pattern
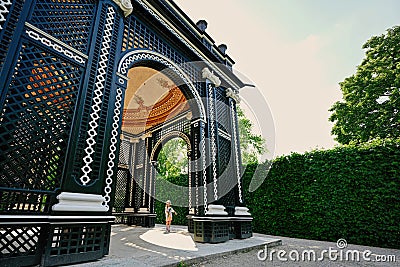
18 241
17 201
67 20
124 152
224 155
77 239
139 173
36 120
9 16
226 172
181 125
122 183
222 110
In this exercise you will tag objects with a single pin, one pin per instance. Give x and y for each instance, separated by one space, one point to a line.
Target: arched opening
151 98
155 111
172 179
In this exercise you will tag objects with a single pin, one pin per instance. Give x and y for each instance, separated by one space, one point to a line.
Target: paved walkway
142 247
250 259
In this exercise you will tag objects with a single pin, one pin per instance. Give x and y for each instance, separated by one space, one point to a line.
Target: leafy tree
172 159
370 106
251 145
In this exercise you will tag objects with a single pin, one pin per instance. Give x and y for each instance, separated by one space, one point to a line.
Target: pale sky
296 52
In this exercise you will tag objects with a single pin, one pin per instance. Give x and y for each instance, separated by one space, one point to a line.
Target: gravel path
291 245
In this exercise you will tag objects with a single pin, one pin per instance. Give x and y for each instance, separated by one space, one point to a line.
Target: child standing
168 215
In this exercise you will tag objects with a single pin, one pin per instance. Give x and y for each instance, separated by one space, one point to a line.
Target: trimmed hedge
165 192
350 192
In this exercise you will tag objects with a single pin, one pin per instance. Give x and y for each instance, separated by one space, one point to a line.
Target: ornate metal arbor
64 74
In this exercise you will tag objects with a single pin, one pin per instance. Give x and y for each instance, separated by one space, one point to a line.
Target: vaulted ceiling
151 98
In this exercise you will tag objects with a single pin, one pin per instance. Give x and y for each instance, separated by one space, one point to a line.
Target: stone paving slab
142 247
391 257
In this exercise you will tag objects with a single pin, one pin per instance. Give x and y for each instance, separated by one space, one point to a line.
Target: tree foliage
251 144
172 159
370 106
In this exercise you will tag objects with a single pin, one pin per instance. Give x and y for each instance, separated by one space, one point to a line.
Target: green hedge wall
350 192
165 192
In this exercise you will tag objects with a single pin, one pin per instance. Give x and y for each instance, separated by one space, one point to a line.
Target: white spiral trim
4 10
203 155
49 43
235 143
100 82
113 147
213 143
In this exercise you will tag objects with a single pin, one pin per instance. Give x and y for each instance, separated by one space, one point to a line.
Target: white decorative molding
213 139
196 122
125 5
134 140
139 55
224 134
122 76
143 210
232 94
49 41
146 135
207 74
4 10
98 92
242 211
189 115
79 202
236 147
216 210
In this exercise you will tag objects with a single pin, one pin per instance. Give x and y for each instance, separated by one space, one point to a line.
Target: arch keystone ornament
207 74
232 94
125 5
70 103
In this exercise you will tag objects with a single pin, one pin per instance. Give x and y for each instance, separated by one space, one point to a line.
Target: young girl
168 215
